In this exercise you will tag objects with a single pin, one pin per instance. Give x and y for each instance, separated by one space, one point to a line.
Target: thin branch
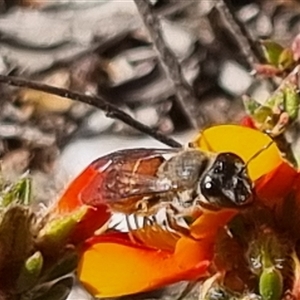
111 110
183 91
247 45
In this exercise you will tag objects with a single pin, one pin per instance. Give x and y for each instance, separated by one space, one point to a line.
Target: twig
183 92
111 110
247 45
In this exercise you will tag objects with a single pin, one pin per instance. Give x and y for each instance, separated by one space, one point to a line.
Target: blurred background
103 48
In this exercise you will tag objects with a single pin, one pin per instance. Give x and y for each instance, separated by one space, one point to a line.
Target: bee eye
208 188
226 183
208 185
219 167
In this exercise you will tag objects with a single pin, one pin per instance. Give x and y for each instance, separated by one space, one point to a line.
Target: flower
116 264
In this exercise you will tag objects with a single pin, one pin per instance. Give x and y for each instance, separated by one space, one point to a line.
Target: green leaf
16 237
57 231
18 193
285 59
292 101
287 99
58 290
263 115
276 100
30 272
250 105
272 51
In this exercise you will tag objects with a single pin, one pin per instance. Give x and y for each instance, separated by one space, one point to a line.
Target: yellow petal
246 143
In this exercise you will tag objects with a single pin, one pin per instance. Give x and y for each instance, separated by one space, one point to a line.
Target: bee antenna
206 141
256 155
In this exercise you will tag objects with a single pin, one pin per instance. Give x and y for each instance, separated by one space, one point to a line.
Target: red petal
276 185
248 122
70 200
93 219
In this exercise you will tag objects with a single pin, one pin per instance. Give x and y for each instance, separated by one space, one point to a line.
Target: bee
141 181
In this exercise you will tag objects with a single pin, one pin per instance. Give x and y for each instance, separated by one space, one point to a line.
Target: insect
141 181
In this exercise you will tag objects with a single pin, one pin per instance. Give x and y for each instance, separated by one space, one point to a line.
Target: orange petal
245 142
210 222
155 236
203 231
190 252
149 268
115 268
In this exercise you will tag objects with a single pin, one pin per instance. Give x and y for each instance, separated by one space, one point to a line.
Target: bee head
226 183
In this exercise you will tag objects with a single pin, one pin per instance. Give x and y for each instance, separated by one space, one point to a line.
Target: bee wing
125 174
126 155
124 184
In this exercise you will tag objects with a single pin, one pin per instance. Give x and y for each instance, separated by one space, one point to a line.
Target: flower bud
271 284
30 272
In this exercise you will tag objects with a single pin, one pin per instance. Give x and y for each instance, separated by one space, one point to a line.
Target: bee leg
173 224
142 207
153 220
137 235
149 221
136 222
130 229
105 227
